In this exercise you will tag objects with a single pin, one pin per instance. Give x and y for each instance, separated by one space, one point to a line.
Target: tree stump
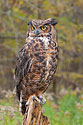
33 114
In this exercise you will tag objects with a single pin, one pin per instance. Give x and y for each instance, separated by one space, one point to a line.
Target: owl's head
40 28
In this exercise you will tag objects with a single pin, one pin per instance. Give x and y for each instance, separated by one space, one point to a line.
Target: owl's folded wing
23 65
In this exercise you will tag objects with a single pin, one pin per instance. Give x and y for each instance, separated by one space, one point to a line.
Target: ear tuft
53 21
29 23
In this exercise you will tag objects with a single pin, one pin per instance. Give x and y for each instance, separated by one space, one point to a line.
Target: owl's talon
42 100
36 99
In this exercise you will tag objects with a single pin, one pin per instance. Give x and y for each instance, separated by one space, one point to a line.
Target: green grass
68 112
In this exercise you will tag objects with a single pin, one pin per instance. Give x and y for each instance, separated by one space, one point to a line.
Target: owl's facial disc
38 28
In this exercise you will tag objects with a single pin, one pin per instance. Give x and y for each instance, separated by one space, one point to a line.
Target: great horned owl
37 60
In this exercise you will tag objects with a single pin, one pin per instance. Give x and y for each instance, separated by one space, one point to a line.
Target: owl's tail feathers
22 107
22 102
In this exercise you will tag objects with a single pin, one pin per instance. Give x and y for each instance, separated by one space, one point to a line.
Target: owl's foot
36 99
40 98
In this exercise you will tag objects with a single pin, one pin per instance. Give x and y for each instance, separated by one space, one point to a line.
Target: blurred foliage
14 15
68 112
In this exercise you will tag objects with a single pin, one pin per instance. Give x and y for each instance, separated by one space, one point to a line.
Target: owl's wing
23 65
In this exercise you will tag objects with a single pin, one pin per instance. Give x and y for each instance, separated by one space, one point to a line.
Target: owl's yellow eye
43 27
33 28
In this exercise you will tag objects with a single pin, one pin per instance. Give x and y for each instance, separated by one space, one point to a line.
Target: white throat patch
45 41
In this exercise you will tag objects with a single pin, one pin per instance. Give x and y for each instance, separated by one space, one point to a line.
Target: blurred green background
14 15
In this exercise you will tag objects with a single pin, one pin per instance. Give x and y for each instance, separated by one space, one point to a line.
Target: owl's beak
36 32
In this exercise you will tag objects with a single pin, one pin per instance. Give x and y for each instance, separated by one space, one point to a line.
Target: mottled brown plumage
37 60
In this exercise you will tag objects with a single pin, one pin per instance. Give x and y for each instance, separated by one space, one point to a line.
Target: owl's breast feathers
36 64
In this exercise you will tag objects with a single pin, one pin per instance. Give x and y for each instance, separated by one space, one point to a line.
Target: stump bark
33 114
